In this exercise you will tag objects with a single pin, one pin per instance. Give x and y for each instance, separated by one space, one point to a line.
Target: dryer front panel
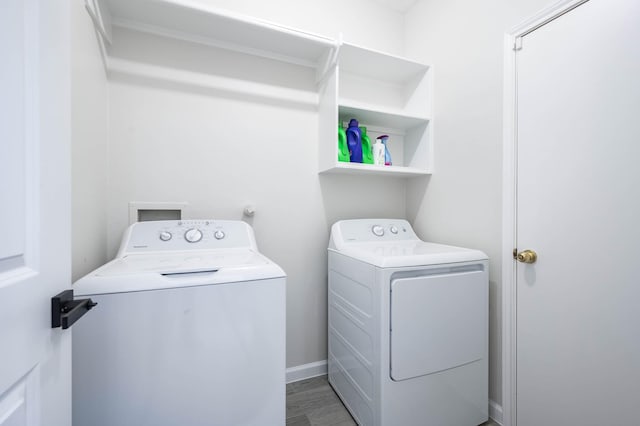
438 322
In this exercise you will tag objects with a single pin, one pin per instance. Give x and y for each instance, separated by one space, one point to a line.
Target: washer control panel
165 235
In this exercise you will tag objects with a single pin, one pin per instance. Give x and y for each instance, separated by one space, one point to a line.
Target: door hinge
517 44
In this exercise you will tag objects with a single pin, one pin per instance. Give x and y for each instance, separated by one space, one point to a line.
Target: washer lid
410 253
154 271
182 262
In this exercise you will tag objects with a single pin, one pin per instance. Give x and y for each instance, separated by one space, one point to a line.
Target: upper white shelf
200 23
382 91
378 65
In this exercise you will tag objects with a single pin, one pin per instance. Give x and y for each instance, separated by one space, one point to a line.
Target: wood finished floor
313 402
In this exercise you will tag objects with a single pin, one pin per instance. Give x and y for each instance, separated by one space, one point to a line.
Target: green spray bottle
367 149
343 149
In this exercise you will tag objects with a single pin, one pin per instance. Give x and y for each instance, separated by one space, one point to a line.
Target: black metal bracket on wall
65 311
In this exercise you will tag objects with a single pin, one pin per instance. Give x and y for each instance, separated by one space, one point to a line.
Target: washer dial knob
193 235
219 234
393 229
165 236
377 230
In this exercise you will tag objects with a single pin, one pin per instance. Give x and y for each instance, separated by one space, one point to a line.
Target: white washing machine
408 326
189 330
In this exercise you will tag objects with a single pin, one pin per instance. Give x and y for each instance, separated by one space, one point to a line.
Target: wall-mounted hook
249 210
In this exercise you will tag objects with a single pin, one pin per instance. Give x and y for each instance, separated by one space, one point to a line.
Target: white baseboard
306 371
495 412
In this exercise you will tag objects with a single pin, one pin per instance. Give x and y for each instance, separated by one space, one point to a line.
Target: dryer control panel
372 230
177 235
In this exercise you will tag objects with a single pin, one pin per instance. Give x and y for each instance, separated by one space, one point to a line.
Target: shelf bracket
327 64
101 16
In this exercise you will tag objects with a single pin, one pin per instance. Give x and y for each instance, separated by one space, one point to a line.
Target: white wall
219 149
462 203
89 145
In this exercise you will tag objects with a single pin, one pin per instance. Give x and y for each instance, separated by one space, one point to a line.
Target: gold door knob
527 256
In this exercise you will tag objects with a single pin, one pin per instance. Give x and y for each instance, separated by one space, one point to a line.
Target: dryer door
437 322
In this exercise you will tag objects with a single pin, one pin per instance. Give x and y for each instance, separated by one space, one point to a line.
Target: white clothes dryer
189 330
407 326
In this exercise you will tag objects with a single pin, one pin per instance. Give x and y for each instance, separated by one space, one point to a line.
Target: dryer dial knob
165 236
393 229
377 230
193 235
219 235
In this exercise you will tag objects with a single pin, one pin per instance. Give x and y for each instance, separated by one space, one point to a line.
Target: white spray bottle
380 150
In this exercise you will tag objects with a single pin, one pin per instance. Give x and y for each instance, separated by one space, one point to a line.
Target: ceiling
399 5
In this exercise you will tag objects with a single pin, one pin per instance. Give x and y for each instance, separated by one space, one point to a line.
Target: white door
578 207
35 359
